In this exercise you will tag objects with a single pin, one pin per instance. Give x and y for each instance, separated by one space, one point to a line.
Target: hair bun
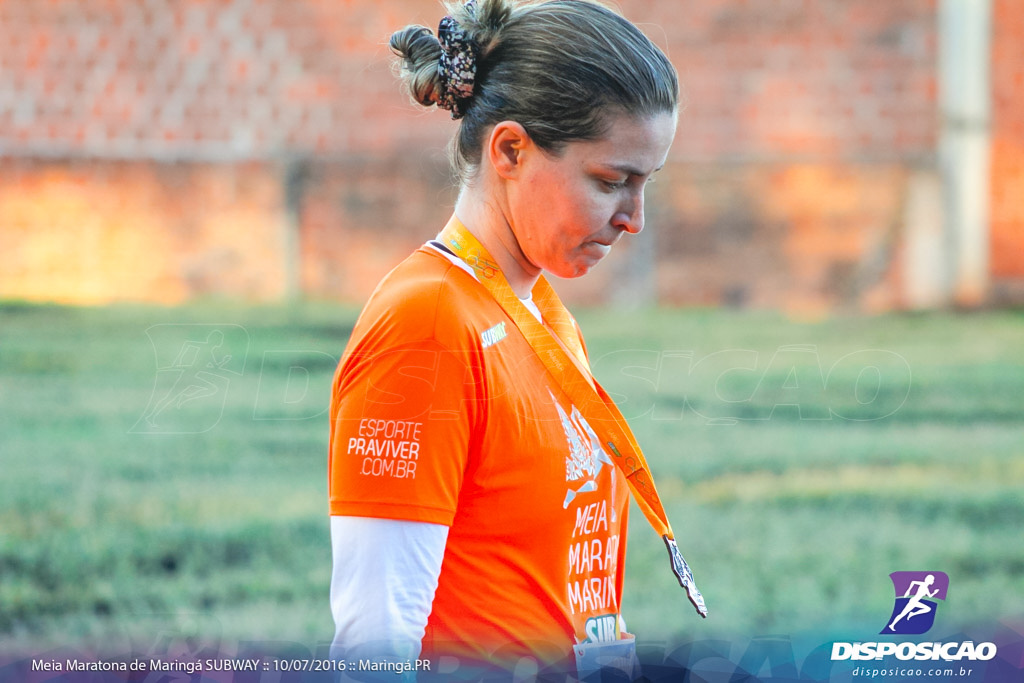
419 51
440 70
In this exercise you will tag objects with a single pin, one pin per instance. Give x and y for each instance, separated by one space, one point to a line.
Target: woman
476 511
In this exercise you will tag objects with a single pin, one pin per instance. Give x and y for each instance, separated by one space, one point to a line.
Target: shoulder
426 297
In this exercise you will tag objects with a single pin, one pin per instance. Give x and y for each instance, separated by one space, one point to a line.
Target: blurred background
833 153
196 196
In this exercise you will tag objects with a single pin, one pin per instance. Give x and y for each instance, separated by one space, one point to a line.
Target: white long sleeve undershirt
382 586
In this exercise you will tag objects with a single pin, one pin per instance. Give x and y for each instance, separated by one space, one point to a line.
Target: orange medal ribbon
553 346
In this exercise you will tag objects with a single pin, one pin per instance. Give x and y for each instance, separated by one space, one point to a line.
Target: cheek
581 209
563 215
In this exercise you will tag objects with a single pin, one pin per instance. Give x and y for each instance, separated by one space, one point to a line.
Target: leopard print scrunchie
456 65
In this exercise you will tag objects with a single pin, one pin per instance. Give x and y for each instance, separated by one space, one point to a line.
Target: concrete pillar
296 172
924 255
965 96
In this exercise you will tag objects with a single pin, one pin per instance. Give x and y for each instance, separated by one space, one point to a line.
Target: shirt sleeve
382 586
403 417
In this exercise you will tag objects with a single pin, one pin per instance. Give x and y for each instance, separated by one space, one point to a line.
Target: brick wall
165 149
361 217
1007 235
828 80
97 231
788 180
198 79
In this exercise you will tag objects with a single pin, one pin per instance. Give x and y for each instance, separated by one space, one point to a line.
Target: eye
613 185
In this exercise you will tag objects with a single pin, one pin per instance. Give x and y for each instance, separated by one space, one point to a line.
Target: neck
488 222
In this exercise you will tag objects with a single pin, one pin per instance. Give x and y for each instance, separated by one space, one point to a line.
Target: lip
605 243
595 251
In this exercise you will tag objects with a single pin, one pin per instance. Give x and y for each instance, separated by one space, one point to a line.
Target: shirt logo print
493 335
585 456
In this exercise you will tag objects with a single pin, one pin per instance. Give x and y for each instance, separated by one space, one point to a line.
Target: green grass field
801 464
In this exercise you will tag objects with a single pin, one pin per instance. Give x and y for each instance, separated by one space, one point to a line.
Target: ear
505 147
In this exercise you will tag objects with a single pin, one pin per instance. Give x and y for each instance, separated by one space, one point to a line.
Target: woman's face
569 209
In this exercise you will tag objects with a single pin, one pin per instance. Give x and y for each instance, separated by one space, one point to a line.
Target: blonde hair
561 68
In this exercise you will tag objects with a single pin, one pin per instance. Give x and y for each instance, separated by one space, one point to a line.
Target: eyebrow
630 170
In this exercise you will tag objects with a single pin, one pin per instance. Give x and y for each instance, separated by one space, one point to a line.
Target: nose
630 214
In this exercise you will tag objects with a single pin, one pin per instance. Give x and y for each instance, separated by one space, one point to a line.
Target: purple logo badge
916 595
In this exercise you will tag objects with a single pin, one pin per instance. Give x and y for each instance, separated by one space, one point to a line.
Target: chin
575 270
578 265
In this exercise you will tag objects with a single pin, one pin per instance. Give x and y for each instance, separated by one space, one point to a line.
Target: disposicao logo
916 595
913 614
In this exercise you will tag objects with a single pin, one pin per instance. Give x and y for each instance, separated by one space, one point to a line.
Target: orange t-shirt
441 412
